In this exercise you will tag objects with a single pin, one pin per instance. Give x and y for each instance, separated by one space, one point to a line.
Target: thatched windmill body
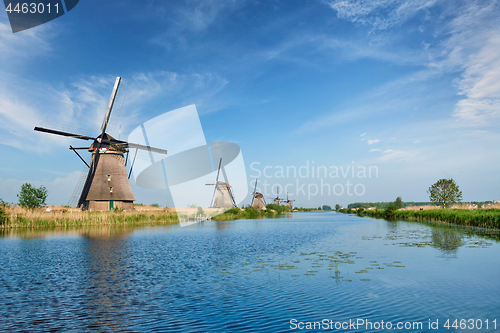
277 200
289 202
222 192
107 185
258 199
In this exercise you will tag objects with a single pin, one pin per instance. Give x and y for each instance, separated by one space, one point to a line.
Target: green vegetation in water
484 218
306 264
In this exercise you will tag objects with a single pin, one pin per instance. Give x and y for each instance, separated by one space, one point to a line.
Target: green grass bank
484 218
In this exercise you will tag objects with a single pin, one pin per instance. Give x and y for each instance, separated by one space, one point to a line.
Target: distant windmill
289 202
222 193
277 200
258 199
107 184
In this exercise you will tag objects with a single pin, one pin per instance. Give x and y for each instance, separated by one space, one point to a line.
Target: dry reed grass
19 217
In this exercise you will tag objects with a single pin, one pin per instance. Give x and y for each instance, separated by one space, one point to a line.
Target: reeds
18 217
485 218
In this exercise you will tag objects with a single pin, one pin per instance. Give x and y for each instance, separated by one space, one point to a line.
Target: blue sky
409 87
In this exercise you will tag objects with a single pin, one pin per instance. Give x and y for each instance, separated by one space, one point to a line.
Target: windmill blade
138 146
110 105
126 144
254 191
232 197
218 171
90 177
132 166
74 149
71 135
216 181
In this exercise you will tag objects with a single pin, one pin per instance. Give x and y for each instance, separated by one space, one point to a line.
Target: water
249 276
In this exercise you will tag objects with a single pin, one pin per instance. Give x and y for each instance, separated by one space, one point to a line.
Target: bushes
277 208
3 216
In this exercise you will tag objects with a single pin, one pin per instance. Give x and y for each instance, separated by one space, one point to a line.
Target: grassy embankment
249 212
485 218
18 217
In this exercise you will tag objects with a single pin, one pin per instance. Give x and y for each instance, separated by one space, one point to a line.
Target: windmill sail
106 185
222 193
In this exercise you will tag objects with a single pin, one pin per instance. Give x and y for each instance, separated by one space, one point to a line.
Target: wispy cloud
395 155
381 14
80 106
363 134
465 40
373 150
478 112
371 142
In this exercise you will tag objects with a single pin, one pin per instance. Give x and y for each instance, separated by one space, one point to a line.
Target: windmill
107 184
258 198
277 200
289 202
222 193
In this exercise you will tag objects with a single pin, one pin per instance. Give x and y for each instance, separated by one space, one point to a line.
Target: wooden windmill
222 193
277 200
289 202
258 199
107 185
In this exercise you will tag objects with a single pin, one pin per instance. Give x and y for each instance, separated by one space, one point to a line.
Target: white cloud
466 40
370 142
395 155
59 189
381 14
20 47
79 107
372 150
363 134
477 112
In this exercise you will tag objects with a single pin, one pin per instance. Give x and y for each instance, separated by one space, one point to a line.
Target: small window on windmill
110 190
109 178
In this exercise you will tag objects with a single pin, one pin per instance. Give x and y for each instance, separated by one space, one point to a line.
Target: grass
18 217
484 218
251 213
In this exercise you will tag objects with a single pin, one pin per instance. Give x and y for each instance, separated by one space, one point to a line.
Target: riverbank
484 218
250 213
17 217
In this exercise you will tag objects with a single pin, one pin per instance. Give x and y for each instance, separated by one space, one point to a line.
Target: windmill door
111 205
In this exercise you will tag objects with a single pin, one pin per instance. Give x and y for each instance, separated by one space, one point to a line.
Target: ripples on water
241 276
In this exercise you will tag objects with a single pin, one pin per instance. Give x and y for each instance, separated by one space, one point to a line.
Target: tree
326 207
32 197
337 207
389 211
444 192
399 202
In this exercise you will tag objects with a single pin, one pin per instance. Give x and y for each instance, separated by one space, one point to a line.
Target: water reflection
103 278
446 240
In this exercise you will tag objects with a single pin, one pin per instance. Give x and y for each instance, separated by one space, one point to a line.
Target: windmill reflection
105 267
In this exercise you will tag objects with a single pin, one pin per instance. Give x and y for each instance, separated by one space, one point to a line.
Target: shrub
32 197
3 215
